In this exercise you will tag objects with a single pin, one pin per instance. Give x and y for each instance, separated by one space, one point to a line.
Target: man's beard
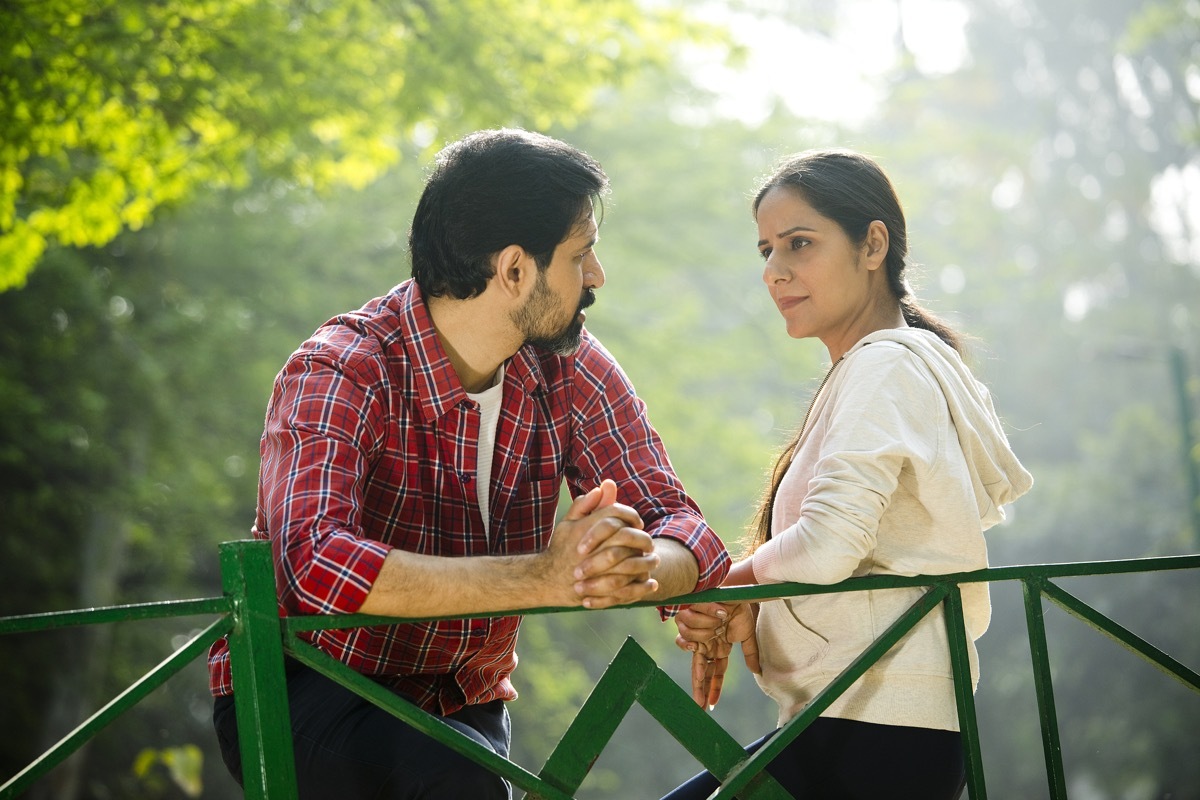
531 317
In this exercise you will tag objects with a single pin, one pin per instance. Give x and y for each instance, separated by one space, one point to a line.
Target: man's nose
593 273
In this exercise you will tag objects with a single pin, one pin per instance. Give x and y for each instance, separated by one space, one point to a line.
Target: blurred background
188 189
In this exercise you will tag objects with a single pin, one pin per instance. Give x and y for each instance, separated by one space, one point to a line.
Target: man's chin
562 344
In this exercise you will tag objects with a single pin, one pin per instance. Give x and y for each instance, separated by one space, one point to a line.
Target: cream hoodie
902 466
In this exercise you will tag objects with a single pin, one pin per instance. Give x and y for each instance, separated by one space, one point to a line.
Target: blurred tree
133 376
125 430
1035 174
112 109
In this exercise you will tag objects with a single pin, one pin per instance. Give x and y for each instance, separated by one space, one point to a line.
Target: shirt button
466 478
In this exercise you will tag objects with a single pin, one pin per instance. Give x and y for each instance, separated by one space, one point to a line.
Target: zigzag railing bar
1122 636
597 721
422 720
156 677
700 735
796 725
634 677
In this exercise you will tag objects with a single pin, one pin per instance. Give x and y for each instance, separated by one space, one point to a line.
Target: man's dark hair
493 189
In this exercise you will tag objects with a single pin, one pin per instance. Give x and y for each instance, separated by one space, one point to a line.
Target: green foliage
182 765
114 109
133 375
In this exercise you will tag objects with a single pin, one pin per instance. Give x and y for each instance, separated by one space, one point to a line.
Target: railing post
968 724
1040 653
256 658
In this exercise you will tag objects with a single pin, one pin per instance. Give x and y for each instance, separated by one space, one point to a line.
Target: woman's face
818 277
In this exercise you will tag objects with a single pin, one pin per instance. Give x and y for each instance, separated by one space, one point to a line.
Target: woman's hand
708 631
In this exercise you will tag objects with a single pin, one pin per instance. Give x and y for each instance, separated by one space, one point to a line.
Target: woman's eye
765 253
798 243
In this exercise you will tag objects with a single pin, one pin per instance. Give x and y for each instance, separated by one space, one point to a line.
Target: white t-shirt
489 401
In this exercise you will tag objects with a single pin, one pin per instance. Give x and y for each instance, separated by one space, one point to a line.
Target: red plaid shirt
370 444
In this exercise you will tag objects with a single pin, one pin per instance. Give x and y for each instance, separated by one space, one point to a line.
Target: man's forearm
417 586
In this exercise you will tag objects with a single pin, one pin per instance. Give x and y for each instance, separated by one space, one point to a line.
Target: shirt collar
438 388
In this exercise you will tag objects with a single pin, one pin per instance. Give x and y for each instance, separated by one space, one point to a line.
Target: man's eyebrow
788 232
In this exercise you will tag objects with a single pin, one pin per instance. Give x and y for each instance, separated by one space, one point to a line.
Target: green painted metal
93 616
423 721
734 594
258 638
796 725
964 694
633 677
259 681
990 575
1040 653
597 720
195 647
1122 636
701 736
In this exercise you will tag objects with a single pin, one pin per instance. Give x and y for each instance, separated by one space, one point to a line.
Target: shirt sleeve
881 420
616 440
323 423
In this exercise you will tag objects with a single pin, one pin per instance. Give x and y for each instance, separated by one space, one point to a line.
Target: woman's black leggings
842 759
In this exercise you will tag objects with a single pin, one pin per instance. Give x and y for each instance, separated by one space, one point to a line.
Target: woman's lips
786 303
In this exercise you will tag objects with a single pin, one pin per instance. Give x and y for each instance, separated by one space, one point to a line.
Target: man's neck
476 336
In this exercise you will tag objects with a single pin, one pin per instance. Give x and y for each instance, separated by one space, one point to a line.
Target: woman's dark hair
853 191
493 189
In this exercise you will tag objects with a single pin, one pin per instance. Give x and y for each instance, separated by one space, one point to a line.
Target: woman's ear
876 244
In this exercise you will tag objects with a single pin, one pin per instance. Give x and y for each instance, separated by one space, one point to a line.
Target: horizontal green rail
258 639
772 591
94 616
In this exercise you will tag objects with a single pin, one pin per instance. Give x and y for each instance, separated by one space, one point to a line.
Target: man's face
553 316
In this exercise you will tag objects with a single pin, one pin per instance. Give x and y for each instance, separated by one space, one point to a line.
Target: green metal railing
258 639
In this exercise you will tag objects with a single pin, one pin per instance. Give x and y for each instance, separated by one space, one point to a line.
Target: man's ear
876 244
516 271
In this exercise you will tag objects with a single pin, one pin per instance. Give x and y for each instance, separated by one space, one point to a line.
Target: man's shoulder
370 338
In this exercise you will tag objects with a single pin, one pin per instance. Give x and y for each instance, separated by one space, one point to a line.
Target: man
411 465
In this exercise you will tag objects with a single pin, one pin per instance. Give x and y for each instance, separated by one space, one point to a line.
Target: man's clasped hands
614 558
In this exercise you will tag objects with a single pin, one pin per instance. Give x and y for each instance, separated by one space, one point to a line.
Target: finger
750 654
608 521
716 611
616 558
585 504
741 622
697 625
699 679
632 592
716 681
608 492
718 648
629 585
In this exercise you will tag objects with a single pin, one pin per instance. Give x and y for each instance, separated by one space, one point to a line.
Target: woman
897 469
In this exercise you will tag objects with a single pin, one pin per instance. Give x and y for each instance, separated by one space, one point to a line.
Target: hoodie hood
997 477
